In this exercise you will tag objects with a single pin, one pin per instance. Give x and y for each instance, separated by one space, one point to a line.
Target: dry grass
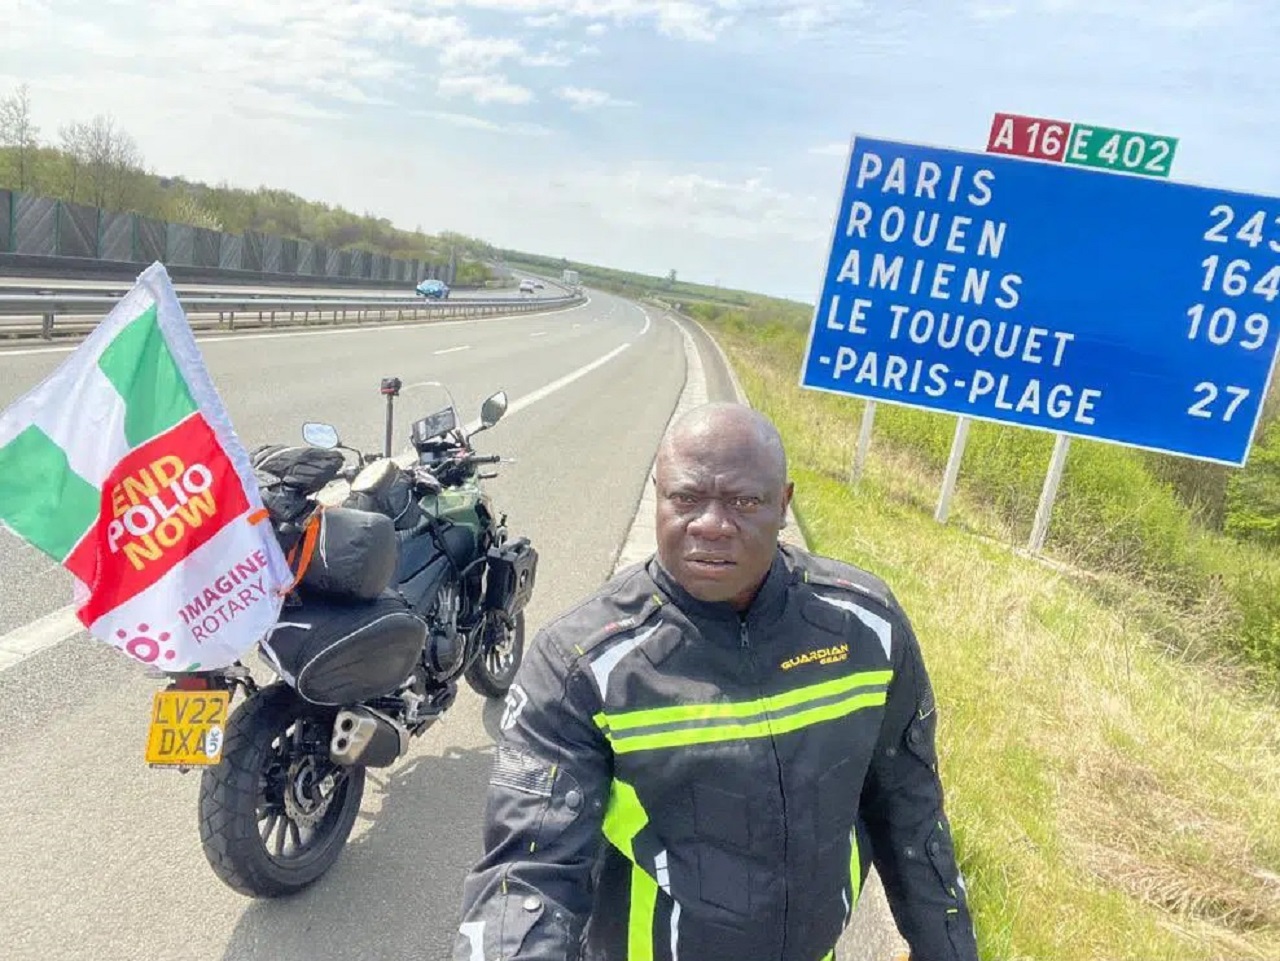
1115 792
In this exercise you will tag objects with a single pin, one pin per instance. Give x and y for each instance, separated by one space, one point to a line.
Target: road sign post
864 442
953 470
1044 509
1134 310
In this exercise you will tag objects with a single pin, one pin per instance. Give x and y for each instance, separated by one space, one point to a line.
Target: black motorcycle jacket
675 781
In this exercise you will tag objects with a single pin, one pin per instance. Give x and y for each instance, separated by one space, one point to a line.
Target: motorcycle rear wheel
491 674
268 825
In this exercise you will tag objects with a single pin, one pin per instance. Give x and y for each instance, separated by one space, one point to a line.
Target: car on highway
431 287
526 286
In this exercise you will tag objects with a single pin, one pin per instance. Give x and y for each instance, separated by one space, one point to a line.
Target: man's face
721 505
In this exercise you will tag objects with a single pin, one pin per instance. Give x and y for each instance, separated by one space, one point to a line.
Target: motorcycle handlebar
490 459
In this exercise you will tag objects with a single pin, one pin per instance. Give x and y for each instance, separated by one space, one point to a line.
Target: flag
122 465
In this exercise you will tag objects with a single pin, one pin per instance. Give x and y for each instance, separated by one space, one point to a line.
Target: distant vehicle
526 286
431 287
539 285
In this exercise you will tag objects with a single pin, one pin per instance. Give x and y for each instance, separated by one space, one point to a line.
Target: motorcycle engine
444 646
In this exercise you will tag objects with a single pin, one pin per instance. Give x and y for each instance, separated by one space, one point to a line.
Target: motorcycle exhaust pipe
362 735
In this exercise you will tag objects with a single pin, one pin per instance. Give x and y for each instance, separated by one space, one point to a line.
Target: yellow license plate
187 727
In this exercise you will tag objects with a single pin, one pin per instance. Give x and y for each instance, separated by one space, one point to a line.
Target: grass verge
1112 797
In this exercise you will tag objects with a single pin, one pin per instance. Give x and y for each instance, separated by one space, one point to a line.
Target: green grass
1112 779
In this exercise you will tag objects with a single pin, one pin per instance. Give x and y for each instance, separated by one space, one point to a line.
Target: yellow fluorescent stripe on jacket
776 714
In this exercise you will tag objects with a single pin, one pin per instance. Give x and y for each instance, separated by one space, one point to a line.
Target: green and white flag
122 465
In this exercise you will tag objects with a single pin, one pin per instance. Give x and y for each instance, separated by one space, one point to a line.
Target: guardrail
56 316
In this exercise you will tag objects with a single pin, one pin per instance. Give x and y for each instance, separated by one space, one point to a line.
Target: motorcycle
406 586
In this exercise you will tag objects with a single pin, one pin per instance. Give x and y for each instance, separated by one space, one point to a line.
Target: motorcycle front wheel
275 812
491 674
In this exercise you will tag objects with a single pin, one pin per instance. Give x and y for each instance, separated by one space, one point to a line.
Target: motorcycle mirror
320 435
492 409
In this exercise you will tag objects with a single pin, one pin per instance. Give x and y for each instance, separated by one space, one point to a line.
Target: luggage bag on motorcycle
351 554
305 469
390 493
339 651
512 569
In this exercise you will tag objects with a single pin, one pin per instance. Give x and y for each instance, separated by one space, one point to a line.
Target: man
702 759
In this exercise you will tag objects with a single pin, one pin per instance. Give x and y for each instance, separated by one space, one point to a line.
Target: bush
1253 494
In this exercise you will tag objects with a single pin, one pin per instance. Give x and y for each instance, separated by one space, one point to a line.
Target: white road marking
63 625
451 350
41 633
538 333
641 542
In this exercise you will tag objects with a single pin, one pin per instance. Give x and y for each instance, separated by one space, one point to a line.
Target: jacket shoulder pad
622 604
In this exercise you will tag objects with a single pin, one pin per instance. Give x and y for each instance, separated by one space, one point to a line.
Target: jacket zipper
745 641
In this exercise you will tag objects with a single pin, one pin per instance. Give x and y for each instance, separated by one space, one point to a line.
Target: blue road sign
1102 305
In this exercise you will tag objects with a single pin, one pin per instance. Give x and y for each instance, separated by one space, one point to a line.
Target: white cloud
1176 15
430 32
588 98
484 88
692 20
838 148
471 122
544 20
480 53
992 10
808 17
652 196
483 53
546 60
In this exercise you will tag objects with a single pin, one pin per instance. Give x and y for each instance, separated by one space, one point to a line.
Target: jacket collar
766 607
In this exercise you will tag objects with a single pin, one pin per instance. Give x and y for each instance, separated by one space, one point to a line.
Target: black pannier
512 569
341 652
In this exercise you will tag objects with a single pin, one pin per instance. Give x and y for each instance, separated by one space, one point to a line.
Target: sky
705 136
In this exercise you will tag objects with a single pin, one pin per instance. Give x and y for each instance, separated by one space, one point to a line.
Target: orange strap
307 545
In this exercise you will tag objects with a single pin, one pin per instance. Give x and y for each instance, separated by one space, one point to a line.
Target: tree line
97 162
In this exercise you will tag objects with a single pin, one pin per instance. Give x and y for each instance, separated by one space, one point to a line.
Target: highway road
100 856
